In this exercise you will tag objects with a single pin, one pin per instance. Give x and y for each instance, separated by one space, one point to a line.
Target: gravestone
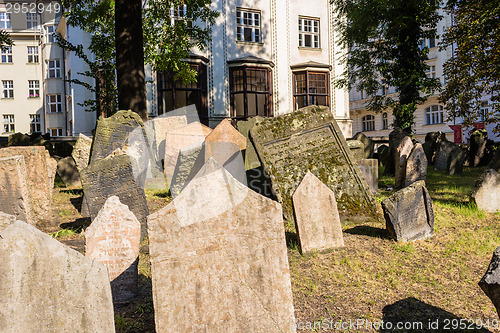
369 169
455 163
48 287
383 155
369 145
225 132
40 178
189 162
160 127
495 161
309 139
317 219
416 165
14 194
490 283
444 150
18 139
66 169
432 140
402 152
81 151
51 170
486 192
357 149
63 149
114 176
395 138
251 158
113 239
478 141
218 256
113 132
409 214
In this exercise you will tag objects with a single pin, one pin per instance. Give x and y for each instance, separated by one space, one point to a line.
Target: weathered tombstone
317 219
309 139
14 195
416 165
395 138
369 145
444 150
207 277
455 163
48 287
251 158
40 178
112 133
432 140
114 176
6 220
409 214
41 141
402 152
357 149
63 149
383 155
490 283
486 192
81 151
161 126
66 169
113 239
495 161
369 168
225 132
478 140
18 139
189 162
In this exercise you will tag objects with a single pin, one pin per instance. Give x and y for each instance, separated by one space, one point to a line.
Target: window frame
35 123
434 117
33 88
56 69
57 104
255 29
6 52
5 20
35 59
30 19
368 123
308 94
50 36
314 23
7 88
10 125
385 121
59 131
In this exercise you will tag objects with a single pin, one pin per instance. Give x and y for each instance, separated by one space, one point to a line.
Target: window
32 54
7 54
50 34
428 42
54 69
33 88
385 121
310 88
248 26
173 94
8 123
56 131
434 115
31 21
309 33
483 112
368 123
54 103
35 124
365 94
5 21
431 72
8 89
250 92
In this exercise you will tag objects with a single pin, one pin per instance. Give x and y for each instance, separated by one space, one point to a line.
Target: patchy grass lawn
371 279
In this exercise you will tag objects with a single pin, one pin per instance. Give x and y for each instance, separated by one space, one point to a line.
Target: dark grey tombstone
357 149
490 283
455 163
416 165
395 138
478 141
383 155
367 142
444 150
432 140
66 169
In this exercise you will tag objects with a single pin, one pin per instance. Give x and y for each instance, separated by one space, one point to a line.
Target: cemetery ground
372 278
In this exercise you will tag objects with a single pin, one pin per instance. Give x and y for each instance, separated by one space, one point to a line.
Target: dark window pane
248 34
300 102
239 105
252 105
308 40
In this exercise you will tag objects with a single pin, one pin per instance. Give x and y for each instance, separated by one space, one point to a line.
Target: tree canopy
5 39
383 39
473 72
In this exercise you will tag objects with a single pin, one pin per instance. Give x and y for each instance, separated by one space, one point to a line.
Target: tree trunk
130 75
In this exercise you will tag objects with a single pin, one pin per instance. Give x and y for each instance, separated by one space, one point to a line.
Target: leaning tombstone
48 287
455 163
317 219
395 138
309 139
486 192
490 283
495 161
409 214
194 246
478 141
14 195
190 160
369 169
81 151
113 239
444 150
416 165
369 145
402 152
66 169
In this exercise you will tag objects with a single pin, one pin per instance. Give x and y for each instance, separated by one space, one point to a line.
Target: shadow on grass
292 240
78 225
416 316
366 230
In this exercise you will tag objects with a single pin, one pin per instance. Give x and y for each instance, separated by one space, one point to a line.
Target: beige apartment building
31 71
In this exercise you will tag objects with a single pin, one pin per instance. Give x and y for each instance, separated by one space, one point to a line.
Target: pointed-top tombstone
219 259
113 239
317 219
225 132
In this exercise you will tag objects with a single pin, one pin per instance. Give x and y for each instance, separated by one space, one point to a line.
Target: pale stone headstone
309 139
443 151
369 145
48 287
161 126
490 283
317 219
357 149
455 163
369 169
114 176
66 169
113 239
486 192
225 132
409 214
402 152
6 220
14 194
81 151
218 258
416 165
189 162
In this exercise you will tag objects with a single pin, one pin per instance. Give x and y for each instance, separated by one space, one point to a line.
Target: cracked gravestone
416 165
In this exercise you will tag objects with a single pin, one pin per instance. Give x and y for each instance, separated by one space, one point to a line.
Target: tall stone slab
160 127
442 154
395 138
416 165
219 259
81 151
455 163
47 287
67 170
409 214
432 140
369 169
114 176
490 283
369 145
113 239
478 141
402 152
383 155
251 158
14 189
486 192
317 219
40 178
309 139
190 160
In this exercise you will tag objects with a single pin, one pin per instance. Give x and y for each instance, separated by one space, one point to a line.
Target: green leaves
5 39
